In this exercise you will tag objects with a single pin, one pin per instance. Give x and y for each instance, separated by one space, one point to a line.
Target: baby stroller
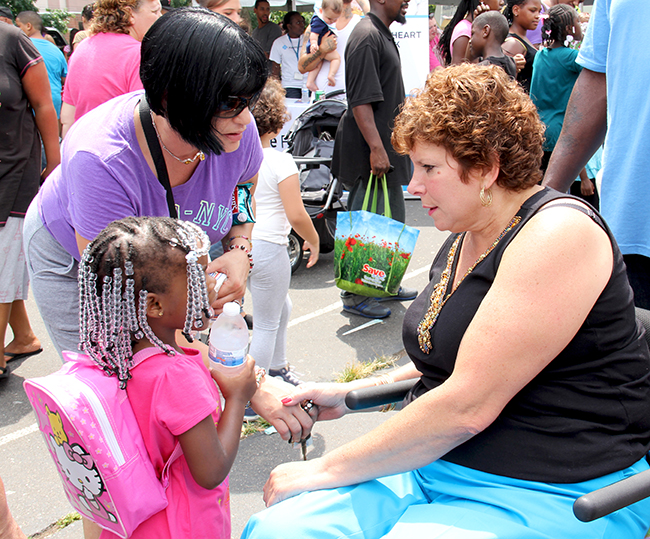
311 143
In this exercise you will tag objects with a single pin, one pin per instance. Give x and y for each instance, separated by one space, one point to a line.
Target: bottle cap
231 309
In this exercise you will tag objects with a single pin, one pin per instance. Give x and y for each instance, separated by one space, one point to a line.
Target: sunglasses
233 105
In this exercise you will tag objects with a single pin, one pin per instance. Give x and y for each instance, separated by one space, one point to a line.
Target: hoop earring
486 197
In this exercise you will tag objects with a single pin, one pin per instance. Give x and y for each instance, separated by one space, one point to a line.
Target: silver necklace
199 155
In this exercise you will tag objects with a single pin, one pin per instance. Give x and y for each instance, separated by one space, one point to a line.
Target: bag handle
156 154
366 199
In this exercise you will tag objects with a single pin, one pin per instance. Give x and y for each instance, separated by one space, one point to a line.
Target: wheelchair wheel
295 251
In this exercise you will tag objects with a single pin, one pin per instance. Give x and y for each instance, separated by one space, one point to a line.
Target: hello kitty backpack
93 436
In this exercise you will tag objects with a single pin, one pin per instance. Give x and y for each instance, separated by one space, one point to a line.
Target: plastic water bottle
305 95
229 340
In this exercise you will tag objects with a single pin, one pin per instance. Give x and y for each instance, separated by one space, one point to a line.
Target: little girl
140 280
555 72
522 15
279 208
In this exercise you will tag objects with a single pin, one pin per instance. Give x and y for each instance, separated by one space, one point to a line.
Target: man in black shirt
375 91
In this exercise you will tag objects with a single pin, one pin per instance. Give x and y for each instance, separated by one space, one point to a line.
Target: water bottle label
228 359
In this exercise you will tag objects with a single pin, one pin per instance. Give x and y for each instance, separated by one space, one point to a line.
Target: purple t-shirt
103 177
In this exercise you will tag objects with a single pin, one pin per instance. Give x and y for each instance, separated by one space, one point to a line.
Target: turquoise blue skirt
444 500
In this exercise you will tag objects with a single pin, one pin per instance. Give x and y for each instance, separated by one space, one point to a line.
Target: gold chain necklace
199 155
438 298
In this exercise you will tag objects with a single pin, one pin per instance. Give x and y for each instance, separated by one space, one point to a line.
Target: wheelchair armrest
613 497
369 397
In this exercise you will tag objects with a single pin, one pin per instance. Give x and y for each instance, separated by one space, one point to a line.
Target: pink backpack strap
145 354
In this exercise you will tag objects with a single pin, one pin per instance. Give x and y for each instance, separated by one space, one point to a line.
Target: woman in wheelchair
533 374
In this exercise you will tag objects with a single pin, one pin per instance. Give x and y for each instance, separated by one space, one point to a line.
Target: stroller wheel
295 250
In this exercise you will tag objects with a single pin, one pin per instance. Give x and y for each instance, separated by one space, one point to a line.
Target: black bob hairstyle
192 59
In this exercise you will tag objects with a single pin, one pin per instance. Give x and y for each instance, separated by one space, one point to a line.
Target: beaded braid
554 29
109 317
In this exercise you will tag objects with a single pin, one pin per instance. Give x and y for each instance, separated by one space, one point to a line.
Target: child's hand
314 251
240 387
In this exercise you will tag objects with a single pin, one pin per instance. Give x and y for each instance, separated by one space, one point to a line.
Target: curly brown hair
270 112
482 118
111 17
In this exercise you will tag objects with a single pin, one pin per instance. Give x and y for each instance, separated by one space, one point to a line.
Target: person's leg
471 504
9 528
311 79
14 284
638 273
268 284
5 313
279 359
25 340
364 511
53 272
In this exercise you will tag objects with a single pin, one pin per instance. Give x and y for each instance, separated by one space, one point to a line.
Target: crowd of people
531 372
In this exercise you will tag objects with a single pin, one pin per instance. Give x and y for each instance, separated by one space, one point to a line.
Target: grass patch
58 525
363 369
252 427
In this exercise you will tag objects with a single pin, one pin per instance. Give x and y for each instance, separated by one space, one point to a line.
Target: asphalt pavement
317 349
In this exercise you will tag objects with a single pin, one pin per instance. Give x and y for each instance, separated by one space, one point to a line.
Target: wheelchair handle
370 397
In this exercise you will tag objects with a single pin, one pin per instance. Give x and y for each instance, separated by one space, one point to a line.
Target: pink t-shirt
463 28
169 396
102 67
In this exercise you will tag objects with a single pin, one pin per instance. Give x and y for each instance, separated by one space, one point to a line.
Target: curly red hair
482 118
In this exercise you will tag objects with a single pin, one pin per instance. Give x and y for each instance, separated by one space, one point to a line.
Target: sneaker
248 318
363 306
250 415
403 294
286 374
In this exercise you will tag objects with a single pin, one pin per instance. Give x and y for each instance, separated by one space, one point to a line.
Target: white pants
269 286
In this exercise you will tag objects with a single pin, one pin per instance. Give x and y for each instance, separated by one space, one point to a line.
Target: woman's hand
240 387
330 398
290 479
235 265
291 421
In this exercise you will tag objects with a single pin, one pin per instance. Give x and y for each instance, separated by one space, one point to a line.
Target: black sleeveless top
526 74
585 415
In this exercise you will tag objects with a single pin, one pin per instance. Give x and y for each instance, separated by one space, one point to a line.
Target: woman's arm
536 305
298 217
330 398
67 118
460 50
37 89
234 263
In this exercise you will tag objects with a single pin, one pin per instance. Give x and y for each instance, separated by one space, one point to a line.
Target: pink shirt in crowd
102 67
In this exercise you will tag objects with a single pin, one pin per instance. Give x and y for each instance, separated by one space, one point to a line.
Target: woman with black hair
454 40
201 74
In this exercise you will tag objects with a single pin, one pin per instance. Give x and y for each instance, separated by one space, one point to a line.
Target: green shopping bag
372 251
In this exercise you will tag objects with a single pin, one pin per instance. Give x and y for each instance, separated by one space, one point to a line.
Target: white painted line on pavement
18 434
337 305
